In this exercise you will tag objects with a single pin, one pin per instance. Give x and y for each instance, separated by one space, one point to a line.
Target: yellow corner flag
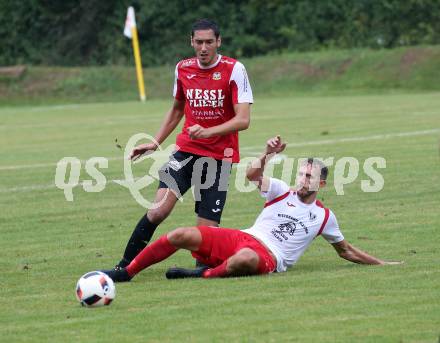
130 31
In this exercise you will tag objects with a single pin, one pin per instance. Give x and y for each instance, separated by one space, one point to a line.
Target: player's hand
142 149
196 131
275 145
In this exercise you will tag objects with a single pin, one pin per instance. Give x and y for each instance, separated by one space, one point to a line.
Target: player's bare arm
353 254
172 119
255 169
239 122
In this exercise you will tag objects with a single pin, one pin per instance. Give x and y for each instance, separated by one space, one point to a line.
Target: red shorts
218 244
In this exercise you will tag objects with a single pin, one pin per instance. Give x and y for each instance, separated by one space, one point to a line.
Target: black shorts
210 178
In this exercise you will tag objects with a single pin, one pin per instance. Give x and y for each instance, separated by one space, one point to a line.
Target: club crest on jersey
216 76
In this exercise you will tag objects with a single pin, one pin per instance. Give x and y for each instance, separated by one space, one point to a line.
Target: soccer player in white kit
287 225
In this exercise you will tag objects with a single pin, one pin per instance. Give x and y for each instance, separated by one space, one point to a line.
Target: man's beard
304 195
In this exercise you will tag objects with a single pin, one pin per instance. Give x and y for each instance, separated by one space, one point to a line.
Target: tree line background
89 32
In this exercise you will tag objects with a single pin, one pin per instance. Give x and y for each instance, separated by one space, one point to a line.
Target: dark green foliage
84 32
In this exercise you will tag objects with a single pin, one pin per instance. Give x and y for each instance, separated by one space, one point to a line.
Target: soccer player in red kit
213 93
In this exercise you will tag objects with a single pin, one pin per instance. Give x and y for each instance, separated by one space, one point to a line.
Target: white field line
47 186
253 149
14 110
43 165
356 139
26 188
86 123
51 186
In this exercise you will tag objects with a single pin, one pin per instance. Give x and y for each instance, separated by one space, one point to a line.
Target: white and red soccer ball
95 289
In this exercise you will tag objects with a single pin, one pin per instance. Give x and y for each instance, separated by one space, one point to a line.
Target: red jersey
209 94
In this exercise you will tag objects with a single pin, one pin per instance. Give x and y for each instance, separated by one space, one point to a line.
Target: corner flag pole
130 31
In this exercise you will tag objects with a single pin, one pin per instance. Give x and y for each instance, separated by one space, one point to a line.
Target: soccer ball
95 289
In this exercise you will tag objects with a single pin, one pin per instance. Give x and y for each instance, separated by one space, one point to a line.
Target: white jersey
287 226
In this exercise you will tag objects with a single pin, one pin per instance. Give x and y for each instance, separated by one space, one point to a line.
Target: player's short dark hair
318 163
205 24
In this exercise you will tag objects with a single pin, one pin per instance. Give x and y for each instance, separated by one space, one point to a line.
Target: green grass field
354 72
47 243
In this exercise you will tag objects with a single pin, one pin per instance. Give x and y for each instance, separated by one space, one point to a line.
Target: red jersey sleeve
178 89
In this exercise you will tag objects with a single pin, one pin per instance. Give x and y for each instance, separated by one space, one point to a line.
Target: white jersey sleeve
176 76
331 232
240 77
276 188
